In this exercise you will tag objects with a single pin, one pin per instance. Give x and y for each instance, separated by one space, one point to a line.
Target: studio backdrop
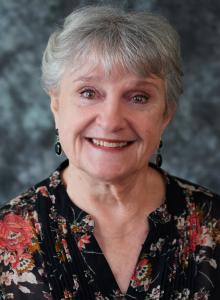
192 141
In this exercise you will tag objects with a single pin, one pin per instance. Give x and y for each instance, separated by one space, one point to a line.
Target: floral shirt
48 250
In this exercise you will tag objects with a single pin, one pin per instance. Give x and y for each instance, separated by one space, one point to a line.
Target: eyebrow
143 82
136 82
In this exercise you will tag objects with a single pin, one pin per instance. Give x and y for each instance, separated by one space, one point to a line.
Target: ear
168 115
54 106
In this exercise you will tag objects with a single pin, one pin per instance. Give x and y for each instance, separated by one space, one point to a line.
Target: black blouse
48 250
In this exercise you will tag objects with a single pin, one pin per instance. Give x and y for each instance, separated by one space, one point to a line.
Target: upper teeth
107 144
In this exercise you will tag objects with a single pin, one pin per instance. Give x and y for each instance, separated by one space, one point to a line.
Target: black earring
159 159
58 148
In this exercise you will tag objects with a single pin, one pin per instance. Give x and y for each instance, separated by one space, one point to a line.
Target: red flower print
84 239
43 190
15 233
142 276
194 229
67 294
23 263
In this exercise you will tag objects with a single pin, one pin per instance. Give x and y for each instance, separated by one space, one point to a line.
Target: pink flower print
8 258
54 179
83 240
15 233
206 237
37 228
6 278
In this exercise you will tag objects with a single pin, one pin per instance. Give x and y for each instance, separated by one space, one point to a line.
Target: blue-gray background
192 142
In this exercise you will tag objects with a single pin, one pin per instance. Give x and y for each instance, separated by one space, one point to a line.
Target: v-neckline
106 278
99 262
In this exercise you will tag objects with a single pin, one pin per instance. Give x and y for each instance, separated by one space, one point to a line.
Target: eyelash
140 99
136 99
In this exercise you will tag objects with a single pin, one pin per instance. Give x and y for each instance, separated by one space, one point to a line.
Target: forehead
90 72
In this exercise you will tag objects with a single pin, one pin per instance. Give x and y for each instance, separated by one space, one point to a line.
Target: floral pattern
17 245
48 249
142 275
15 233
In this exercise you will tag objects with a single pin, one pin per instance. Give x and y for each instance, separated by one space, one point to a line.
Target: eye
88 93
140 99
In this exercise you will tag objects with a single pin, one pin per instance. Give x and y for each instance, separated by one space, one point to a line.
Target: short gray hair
141 42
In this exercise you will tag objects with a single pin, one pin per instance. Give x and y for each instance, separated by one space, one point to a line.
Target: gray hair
140 42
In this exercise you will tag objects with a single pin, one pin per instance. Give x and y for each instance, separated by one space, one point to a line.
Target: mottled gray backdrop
191 144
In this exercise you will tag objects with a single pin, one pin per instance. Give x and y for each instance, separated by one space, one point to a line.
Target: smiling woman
101 123
108 223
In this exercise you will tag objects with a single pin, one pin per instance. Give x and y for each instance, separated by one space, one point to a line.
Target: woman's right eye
88 94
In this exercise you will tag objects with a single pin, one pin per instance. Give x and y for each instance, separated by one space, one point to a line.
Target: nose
112 116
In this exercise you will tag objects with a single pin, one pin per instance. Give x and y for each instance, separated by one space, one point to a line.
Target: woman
108 224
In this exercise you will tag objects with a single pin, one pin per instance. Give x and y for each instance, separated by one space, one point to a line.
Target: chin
107 175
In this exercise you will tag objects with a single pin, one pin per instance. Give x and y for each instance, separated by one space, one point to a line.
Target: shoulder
27 202
23 204
198 213
196 195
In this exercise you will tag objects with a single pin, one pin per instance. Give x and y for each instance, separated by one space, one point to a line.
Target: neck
139 193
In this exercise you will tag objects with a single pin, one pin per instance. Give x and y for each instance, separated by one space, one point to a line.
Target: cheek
150 131
148 125
73 123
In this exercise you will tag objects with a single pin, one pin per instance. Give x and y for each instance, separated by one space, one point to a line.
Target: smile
109 143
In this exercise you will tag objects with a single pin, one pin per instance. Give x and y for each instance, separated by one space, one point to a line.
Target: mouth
109 144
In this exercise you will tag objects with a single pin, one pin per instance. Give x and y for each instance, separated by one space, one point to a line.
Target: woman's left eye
88 93
140 99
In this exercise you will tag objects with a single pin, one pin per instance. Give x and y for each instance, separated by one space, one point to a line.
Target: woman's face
109 126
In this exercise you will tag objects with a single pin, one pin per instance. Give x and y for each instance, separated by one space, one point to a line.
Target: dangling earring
159 159
58 148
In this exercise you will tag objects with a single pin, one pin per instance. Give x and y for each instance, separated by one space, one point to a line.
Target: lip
111 149
111 140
